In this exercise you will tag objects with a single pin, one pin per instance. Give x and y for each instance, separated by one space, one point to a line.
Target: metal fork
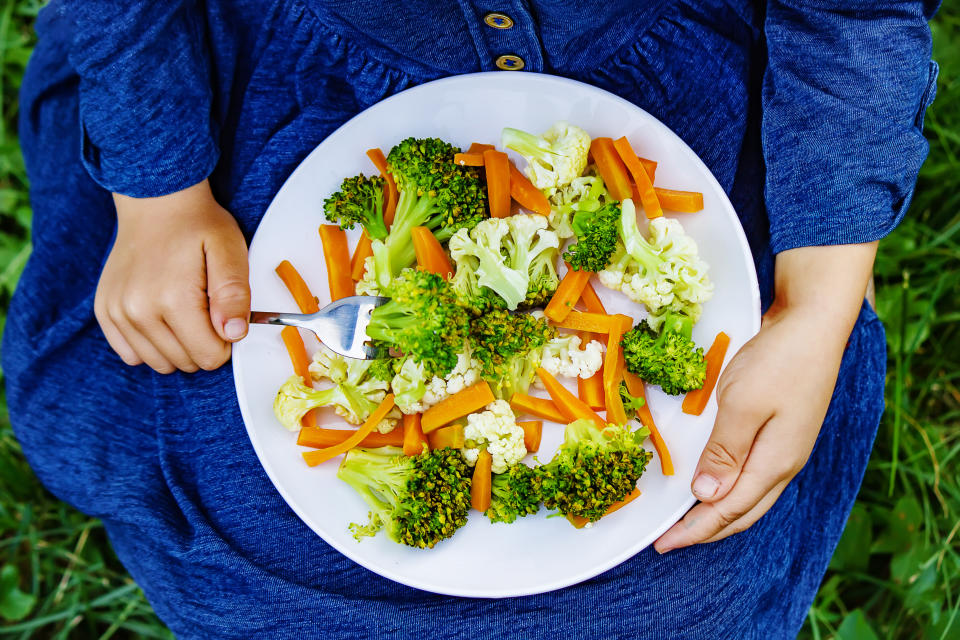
341 325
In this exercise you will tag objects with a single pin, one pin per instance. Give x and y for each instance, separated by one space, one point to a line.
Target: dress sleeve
145 93
844 95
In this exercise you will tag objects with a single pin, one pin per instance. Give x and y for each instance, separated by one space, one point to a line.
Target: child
155 135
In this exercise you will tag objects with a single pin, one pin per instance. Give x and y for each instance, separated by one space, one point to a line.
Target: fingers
228 286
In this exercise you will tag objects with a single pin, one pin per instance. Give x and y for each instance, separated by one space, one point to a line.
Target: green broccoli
597 235
669 358
359 201
631 403
514 494
435 193
419 500
422 320
513 257
593 469
508 348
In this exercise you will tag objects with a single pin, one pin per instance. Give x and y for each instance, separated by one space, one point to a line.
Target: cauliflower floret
562 356
495 429
358 392
555 158
586 193
368 285
415 395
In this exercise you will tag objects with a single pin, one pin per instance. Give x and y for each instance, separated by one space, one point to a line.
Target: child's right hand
174 292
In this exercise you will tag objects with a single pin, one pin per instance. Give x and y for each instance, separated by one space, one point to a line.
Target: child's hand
174 292
774 394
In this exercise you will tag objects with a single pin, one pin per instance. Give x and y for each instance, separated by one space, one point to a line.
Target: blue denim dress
808 112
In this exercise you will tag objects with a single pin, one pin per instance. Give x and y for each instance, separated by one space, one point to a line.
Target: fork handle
285 319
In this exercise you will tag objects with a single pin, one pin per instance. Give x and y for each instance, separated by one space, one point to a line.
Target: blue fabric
144 98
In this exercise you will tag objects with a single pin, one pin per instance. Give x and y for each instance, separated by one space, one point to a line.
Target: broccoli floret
514 494
592 469
419 500
631 403
435 193
553 159
422 320
669 358
508 348
586 193
597 236
514 257
359 201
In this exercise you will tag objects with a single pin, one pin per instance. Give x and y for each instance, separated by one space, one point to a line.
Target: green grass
896 573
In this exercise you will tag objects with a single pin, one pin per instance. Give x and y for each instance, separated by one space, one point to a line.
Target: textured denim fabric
155 96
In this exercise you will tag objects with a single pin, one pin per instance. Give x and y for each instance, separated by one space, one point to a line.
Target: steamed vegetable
495 431
668 357
555 158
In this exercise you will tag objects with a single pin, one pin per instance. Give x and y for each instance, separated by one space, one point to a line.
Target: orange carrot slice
613 370
591 300
482 479
451 436
480 147
572 407
306 301
497 166
696 401
361 252
462 403
682 201
650 166
336 254
527 195
532 433
648 197
636 389
586 321
430 255
567 294
319 438
301 364
541 407
468 159
414 442
391 195
611 168
313 458
590 390
580 522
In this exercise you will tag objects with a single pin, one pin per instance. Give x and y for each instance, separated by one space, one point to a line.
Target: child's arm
774 394
174 291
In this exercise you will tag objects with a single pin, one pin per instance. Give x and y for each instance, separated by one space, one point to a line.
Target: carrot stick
580 522
540 407
648 197
468 159
362 251
613 370
590 390
414 442
451 436
337 256
611 168
313 458
321 438
301 365
480 486
682 201
480 147
572 407
696 401
586 321
532 432
650 166
391 195
297 287
461 403
430 255
527 195
567 294
590 298
497 166
636 389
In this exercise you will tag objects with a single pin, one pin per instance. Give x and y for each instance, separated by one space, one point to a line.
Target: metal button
498 20
510 62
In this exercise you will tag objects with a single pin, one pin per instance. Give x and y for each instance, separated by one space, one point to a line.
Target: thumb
228 285
726 452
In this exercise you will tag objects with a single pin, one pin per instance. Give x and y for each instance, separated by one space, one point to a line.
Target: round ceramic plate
536 553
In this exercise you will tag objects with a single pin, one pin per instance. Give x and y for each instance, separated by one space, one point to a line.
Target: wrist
193 200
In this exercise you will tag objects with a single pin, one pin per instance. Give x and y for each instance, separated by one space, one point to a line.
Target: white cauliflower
586 193
562 356
355 393
413 394
555 158
496 430
368 285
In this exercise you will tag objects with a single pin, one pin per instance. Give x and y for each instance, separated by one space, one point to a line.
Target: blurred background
895 574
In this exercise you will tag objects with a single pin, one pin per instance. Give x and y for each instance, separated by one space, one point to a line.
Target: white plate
537 554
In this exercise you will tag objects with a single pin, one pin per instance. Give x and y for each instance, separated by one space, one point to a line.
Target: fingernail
235 328
705 487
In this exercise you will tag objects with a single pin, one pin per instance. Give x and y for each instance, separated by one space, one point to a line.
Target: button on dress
808 113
